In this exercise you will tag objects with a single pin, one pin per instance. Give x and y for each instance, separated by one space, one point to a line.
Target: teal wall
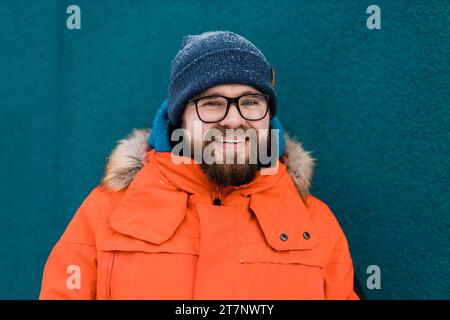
373 105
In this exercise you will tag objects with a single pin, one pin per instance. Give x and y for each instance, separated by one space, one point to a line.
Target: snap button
306 235
283 236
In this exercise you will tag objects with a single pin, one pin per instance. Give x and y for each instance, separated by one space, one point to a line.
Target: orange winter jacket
154 229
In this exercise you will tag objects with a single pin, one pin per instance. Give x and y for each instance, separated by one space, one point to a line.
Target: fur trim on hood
127 159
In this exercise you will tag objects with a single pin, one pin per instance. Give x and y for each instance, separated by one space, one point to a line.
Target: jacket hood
128 157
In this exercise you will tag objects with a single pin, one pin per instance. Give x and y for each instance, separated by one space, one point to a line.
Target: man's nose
233 118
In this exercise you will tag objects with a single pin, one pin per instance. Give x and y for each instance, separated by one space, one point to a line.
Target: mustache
226 132
223 129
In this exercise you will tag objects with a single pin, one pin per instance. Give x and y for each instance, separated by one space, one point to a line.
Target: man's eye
212 104
250 102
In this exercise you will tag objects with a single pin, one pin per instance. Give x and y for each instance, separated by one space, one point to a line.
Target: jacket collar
190 178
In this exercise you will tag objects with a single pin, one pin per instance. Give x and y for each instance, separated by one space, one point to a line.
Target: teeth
231 141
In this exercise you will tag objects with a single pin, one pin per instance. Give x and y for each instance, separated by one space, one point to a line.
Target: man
160 226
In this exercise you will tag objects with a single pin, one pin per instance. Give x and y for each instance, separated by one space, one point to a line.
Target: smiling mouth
231 141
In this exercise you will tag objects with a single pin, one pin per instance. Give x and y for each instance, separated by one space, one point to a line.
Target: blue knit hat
214 58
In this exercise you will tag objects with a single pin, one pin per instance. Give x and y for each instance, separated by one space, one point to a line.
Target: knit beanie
214 58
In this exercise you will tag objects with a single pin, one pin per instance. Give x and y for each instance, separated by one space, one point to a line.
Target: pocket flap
263 253
287 225
110 240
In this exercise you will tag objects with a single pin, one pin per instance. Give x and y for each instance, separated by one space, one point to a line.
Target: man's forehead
222 90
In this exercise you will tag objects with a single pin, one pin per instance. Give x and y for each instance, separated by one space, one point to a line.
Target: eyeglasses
252 107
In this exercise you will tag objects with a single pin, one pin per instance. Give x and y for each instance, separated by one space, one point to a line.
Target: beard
234 174
224 175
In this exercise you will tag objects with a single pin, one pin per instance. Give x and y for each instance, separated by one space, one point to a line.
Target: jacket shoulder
105 200
324 219
95 207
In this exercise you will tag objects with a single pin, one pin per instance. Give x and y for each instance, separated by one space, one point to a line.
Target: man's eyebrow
213 93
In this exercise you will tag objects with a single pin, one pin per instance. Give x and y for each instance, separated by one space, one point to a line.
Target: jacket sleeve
339 273
71 269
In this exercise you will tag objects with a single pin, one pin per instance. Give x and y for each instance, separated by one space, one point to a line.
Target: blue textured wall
373 105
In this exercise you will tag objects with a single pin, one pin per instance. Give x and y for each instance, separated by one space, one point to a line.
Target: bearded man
213 219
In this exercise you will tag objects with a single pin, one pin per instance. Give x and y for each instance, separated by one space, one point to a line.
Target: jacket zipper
217 196
110 271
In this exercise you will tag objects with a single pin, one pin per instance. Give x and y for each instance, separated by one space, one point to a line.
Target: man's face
229 146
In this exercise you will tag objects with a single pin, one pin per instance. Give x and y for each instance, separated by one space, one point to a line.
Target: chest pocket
180 238
285 236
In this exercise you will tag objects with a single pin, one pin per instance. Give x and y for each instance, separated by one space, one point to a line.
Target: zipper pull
217 196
